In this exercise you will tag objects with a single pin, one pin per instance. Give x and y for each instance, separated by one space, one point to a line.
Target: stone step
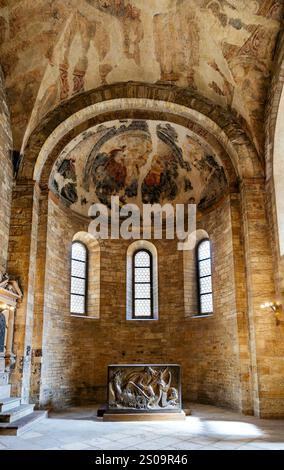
5 391
22 425
7 404
4 378
16 413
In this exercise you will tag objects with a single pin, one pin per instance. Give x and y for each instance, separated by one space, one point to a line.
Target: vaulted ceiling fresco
51 50
139 161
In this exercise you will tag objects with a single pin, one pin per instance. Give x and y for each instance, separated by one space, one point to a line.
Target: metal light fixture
276 308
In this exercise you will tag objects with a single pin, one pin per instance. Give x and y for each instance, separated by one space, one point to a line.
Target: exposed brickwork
70 355
6 174
67 341
213 369
241 299
233 358
273 366
77 351
71 362
36 353
272 113
22 264
266 339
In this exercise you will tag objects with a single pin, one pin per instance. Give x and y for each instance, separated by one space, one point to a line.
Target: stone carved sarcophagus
144 388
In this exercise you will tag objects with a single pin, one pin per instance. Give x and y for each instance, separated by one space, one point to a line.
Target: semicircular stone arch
278 172
274 148
136 100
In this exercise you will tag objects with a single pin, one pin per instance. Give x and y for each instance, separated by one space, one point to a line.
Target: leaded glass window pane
206 285
77 304
142 285
206 303
142 308
78 251
204 250
142 291
142 274
78 286
142 259
205 277
78 278
205 268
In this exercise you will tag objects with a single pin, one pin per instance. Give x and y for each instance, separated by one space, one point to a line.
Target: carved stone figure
10 294
147 388
9 285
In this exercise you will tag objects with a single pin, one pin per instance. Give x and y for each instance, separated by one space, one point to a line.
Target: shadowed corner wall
274 125
77 351
211 353
67 371
6 174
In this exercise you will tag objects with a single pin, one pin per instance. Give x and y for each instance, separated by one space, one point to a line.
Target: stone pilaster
22 264
39 298
245 403
6 174
266 347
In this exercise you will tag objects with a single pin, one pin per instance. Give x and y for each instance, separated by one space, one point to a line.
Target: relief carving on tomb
141 162
144 388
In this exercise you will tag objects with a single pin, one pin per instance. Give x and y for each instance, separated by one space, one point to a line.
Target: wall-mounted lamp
275 308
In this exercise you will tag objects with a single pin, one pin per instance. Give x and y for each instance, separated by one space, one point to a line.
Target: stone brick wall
6 174
77 351
211 353
273 367
266 338
233 358
272 113
23 241
67 342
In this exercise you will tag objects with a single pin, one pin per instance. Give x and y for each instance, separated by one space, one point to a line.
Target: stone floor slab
208 428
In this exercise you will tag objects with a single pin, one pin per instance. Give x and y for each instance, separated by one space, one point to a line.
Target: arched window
142 284
204 273
79 266
142 301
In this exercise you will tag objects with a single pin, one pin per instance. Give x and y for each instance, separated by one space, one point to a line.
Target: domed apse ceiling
139 161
